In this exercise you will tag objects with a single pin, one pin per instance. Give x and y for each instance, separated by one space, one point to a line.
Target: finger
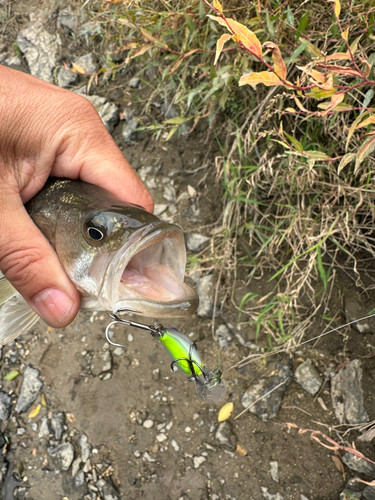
29 262
88 152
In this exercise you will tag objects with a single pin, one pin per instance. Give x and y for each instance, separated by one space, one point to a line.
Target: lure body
180 348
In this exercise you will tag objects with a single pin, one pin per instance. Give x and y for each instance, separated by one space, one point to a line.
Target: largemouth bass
119 256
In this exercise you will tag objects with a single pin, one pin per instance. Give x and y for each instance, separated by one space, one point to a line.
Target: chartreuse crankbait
185 356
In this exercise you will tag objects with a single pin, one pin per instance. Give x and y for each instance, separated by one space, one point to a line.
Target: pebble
148 424
130 337
187 429
197 242
359 464
85 448
225 435
148 457
44 430
66 78
169 193
75 466
30 389
119 351
350 495
175 445
274 471
108 111
308 377
369 493
356 309
268 496
223 336
79 479
156 374
137 454
134 83
41 49
129 133
160 208
198 461
101 362
89 62
21 431
5 405
57 424
269 405
107 490
206 292
161 438
64 453
347 394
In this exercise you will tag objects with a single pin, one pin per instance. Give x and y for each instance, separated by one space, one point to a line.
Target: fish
119 256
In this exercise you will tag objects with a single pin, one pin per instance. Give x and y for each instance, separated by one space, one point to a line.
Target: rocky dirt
85 420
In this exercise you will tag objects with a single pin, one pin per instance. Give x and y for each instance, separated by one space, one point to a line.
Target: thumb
29 262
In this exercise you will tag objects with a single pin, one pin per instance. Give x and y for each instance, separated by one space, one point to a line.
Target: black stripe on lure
185 357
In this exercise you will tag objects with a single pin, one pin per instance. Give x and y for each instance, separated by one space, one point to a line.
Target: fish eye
95 234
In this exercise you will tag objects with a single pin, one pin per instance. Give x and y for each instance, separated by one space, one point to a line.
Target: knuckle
22 266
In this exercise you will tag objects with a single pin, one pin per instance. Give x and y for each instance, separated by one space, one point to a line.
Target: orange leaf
243 34
335 100
142 50
364 151
217 5
337 7
151 38
264 77
368 121
318 77
78 69
338 56
367 64
278 62
340 70
300 105
220 44
345 34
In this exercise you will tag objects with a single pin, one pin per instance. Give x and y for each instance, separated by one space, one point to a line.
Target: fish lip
137 242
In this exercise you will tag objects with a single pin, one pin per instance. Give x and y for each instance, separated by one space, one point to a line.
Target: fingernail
53 306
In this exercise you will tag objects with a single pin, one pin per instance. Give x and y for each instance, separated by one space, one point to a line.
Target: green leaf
345 160
177 120
202 13
323 274
294 141
368 98
316 155
303 23
290 16
189 23
11 375
297 52
270 27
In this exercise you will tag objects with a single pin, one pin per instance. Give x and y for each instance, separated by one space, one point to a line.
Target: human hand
47 131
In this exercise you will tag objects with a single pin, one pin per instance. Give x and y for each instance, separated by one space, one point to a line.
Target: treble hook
154 330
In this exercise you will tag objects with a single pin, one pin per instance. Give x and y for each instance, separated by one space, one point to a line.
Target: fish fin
16 317
7 291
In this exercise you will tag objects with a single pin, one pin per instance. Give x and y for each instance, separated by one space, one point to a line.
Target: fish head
123 258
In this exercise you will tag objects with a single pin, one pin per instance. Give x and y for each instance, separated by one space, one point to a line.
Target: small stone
161 438
79 479
347 394
175 445
369 493
356 309
359 464
134 83
107 489
308 377
129 133
5 405
268 496
225 435
107 376
274 471
169 193
66 78
75 466
41 49
198 461
148 424
119 351
223 336
160 208
85 447
148 457
156 374
89 62
197 242
44 430
64 453
187 429
21 431
130 337
108 111
101 362
137 454
57 424
30 389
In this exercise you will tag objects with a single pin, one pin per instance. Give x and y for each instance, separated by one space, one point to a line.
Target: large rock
347 395
89 62
5 405
271 390
66 78
30 389
64 453
359 464
206 292
41 49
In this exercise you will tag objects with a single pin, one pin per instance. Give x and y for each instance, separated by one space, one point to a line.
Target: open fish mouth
152 273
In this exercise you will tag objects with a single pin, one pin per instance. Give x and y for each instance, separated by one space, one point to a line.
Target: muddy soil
179 456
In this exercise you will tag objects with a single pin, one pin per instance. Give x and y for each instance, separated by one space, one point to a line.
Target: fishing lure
185 357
